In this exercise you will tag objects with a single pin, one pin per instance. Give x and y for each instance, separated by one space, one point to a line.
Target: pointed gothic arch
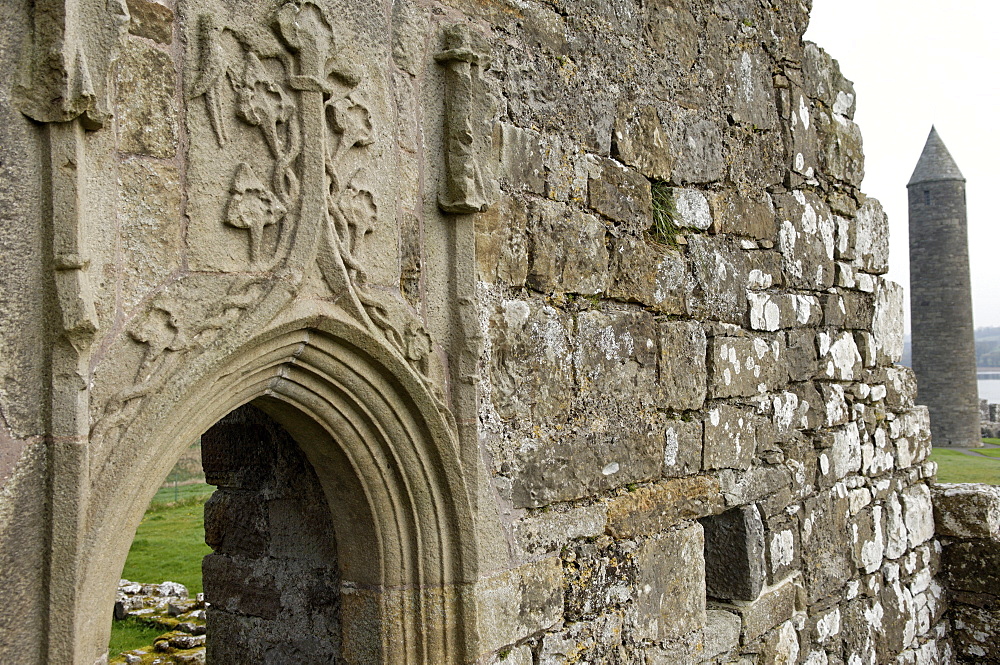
385 454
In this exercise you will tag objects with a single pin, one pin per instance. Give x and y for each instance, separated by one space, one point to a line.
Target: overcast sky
917 63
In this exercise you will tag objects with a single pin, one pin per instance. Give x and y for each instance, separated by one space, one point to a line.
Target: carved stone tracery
304 203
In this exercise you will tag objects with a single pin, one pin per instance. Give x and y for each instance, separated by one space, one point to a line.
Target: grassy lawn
170 542
168 546
957 467
131 634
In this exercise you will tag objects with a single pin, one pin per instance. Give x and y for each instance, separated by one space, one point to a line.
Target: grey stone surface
734 554
424 239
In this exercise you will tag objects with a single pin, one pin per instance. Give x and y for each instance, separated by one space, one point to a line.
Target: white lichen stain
671 447
782 549
803 112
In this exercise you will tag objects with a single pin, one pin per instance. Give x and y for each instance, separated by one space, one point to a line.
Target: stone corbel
65 64
466 186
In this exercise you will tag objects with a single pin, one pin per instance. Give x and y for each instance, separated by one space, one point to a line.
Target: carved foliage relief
281 185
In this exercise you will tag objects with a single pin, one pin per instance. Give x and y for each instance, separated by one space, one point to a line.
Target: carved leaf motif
417 340
261 102
353 122
361 213
253 207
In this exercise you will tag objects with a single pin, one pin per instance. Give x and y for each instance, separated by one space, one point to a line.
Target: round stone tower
944 351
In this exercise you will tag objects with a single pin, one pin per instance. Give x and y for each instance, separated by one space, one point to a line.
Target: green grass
131 634
957 467
989 452
170 541
168 494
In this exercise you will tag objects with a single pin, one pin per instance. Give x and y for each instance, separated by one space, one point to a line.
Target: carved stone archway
386 457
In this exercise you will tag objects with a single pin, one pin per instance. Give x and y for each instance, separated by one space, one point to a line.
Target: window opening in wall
271 575
927 197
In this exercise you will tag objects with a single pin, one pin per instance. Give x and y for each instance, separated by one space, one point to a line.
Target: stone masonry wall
688 390
272 579
577 307
968 524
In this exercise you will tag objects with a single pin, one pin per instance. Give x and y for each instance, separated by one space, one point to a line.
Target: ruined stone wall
688 394
575 310
968 525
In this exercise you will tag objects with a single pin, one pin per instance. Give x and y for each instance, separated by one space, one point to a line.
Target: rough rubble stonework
571 313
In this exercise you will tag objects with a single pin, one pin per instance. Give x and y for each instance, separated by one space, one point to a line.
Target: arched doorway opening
385 458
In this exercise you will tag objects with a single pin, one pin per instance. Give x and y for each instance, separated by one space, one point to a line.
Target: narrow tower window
927 197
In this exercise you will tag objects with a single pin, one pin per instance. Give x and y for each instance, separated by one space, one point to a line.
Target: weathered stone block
683 448
744 366
755 484
147 115
671 584
531 365
579 460
722 632
974 633
598 577
841 155
649 273
237 523
967 510
838 355
774 606
887 322
822 78
519 602
901 387
595 641
691 209
782 646
843 457
798 129
872 238
616 356
683 370
773 311
783 547
895 528
653 508
521 158
730 438
826 563
734 554
697 143
722 272
805 239
801 354
918 514
151 20
641 141
620 194
551 530
744 214
238 588
501 250
868 539
567 250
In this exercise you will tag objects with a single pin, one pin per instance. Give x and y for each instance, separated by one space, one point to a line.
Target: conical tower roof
935 162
